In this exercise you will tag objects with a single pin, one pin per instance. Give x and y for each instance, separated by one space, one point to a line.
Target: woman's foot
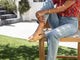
39 33
36 37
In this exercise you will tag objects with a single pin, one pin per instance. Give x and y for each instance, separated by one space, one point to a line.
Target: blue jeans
61 27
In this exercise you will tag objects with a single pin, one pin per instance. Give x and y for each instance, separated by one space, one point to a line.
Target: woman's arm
62 8
66 5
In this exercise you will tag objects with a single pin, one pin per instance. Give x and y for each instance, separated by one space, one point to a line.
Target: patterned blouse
72 11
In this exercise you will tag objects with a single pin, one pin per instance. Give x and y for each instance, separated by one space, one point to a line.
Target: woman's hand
40 15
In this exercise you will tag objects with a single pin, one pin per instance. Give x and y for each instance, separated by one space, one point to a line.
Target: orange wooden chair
42 55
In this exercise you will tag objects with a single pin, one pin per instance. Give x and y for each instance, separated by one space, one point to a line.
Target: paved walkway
24 30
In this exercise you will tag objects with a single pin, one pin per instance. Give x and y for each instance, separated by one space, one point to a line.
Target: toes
30 38
35 38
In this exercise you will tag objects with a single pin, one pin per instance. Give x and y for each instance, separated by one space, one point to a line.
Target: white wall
35 6
17 5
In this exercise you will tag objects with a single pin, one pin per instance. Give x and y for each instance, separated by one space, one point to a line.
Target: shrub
23 6
8 6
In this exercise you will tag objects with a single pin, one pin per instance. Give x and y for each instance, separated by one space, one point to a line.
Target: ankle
42 21
41 24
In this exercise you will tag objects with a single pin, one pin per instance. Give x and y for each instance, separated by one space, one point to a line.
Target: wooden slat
46 25
78 50
79 22
41 50
66 57
70 39
67 39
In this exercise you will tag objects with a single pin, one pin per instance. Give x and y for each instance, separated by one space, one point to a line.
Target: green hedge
23 6
8 6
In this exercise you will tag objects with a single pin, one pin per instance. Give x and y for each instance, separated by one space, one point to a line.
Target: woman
63 20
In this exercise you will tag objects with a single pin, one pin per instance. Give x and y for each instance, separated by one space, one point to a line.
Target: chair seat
77 34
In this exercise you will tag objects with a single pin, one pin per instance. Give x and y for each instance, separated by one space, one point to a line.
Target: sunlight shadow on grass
20 53
30 52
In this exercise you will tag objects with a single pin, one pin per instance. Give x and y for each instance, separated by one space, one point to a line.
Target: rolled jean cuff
47 5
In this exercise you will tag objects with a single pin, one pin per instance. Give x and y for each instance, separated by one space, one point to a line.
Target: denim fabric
61 27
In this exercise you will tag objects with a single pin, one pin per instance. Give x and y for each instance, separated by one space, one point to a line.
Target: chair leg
41 50
78 50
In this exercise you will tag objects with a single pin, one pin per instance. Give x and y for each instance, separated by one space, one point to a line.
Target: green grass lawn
20 49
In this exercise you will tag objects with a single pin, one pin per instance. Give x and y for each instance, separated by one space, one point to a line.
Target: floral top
72 11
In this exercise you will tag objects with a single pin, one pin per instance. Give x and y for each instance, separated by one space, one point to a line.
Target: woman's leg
53 20
54 36
46 5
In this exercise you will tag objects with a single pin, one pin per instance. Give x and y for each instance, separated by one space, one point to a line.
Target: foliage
8 6
23 6
20 49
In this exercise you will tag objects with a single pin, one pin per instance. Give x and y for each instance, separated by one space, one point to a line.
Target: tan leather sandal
37 38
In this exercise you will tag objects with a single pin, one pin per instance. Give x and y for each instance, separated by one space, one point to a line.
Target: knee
53 34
